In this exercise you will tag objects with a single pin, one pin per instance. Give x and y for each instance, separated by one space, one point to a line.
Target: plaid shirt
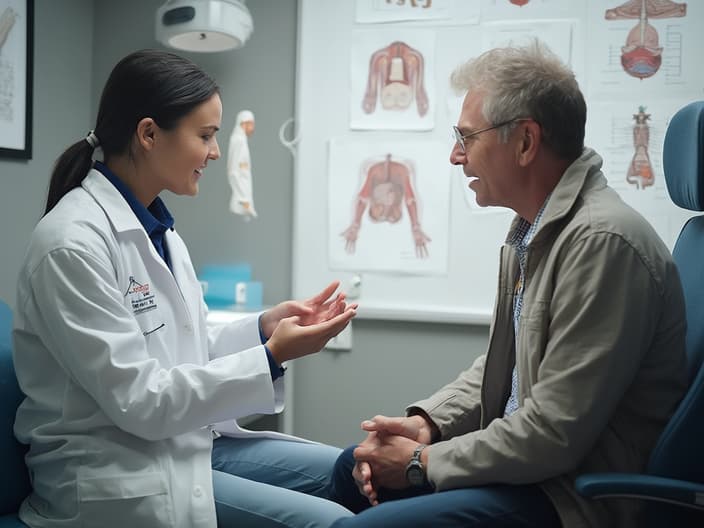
519 240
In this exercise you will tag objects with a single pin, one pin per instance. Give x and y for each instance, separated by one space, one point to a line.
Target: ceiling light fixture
203 25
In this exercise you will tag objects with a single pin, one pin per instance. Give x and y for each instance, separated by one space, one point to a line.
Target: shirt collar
155 218
524 231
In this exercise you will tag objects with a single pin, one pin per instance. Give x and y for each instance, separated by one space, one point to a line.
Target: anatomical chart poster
646 47
629 137
392 80
389 206
381 11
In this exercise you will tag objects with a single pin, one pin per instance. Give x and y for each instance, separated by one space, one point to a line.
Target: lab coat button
197 492
188 327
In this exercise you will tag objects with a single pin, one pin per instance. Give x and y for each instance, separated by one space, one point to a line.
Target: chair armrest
646 487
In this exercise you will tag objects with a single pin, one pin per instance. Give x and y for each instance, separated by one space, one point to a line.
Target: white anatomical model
239 166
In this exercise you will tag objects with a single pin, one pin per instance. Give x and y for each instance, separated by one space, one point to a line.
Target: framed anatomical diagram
641 56
388 206
392 83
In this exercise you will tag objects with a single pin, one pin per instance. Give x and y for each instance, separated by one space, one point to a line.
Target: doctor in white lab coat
124 381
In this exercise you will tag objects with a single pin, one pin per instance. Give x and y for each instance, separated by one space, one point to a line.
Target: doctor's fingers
291 340
323 295
337 324
338 306
319 334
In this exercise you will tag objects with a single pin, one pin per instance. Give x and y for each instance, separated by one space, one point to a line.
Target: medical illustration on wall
640 170
7 22
380 11
507 10
641 56
645 47
558 35
239 167
396 80
392 80
425 4
387 187
629 138
388 206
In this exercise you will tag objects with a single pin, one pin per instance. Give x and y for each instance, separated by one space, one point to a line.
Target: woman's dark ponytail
69 171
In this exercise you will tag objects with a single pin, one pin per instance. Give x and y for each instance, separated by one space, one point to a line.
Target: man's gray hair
531 82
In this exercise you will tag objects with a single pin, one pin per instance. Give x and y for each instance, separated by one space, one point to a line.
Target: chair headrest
683 157
5 326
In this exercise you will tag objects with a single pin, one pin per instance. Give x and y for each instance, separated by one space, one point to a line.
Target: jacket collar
584 171
111 201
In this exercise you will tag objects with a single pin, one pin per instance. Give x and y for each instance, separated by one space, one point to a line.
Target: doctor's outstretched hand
297 328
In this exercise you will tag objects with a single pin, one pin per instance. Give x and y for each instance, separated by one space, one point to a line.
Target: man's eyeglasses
461 139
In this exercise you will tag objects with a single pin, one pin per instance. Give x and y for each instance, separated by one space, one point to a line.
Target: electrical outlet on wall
342 341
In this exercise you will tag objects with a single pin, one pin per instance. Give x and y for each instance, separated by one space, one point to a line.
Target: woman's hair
529 81
146 83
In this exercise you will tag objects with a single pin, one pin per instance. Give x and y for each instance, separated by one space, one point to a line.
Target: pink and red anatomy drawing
387 185
642 55
640 170
396 72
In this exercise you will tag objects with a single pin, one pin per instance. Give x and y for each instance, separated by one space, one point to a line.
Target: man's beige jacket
600 358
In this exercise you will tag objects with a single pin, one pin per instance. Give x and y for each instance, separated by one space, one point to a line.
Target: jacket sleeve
589 361
456 408
78 312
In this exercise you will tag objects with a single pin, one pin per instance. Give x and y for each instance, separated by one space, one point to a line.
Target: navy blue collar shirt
155 219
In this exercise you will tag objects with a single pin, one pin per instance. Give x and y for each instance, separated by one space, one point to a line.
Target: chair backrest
14 479
678 453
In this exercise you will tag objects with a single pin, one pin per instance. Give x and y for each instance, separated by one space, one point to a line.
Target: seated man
586 358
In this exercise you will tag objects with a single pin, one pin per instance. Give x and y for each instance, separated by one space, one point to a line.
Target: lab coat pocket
135 500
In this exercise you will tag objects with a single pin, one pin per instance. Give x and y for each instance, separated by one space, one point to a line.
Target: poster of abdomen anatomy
646 47
629 137
392 80
454 11
389 206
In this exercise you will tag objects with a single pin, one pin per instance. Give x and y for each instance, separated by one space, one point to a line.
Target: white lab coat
122 376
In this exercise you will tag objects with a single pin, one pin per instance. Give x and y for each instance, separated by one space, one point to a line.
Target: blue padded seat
14 479
673 484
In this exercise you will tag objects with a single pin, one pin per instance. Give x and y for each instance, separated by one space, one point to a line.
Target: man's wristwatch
415 472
